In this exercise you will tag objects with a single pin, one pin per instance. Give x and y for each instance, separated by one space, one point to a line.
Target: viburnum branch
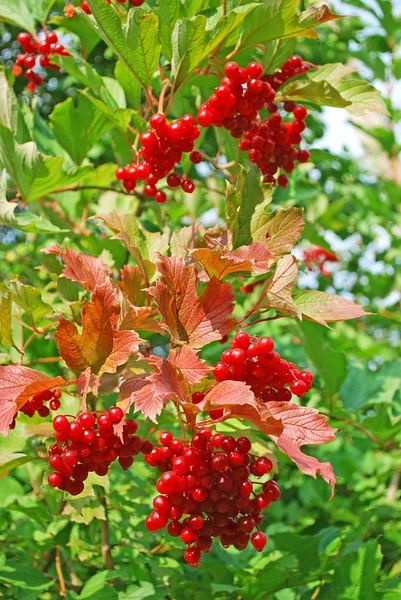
166 84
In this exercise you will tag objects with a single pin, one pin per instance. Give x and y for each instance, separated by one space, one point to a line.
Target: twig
261 320
162 95
87 376
359 428
392 489
60 573
46 360
105 532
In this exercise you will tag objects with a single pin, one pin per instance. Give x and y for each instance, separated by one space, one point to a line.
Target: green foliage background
346 549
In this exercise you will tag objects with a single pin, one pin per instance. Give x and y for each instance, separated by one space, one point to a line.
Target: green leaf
26 221
381 424
17 13
330 364
281 19
241 201
356 574
119 117
363 387
96 584
10 113
168 12
78 128
326 86
30 300
130 85
12 460
194 39
136 44
6 337
34 174
23 576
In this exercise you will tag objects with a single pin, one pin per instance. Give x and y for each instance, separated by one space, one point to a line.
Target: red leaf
301 425
229 393
142 318
17 385
322 307
99 346
191 319
219 263
187 360
132 283
149 393
276 293
88 271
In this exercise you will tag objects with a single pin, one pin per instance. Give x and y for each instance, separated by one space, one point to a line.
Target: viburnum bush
205 109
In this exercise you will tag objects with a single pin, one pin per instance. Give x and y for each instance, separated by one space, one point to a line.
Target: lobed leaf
195 321
17 385
322 307
220 263
279 230
276 292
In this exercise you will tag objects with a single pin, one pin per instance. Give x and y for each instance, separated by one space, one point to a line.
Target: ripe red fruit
188 186
54 479
195 157
221 371
300 112
192 556
86 8
116 414
298 388
258 541
61 424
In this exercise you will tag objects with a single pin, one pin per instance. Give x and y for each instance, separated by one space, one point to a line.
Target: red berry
258 541
188 186
298 388
195 157
87 420
54 479
116 414
300 112
61 424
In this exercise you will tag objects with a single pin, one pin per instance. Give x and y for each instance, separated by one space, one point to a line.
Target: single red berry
86 8
282 181
61 424
87 420
116 414
221 372
160 196
300 112
258 541
298 388
54 479
188 186
192 556
195 157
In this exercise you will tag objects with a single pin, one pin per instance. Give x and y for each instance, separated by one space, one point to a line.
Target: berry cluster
254 361
35 404
205 492
161 149
87 10
292 67
271 143
32 52
89 444
319 257
235 105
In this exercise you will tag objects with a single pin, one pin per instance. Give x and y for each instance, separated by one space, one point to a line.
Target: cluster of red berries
205 492
87 10
35 404
271 143
161 149
254 361
87 444
319 257
292 67
34 50
235 105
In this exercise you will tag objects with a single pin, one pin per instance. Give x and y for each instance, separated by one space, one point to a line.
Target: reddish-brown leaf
324 308
301 425
279 229
219 263
88 271
187 360
149 393
99 346
229 393
17 385
132 283
192 320
141 318
276 293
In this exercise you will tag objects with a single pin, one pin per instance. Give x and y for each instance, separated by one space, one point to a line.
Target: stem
46 360
60 573
182 425
88 374
359 428
261 320
105 532
162 95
